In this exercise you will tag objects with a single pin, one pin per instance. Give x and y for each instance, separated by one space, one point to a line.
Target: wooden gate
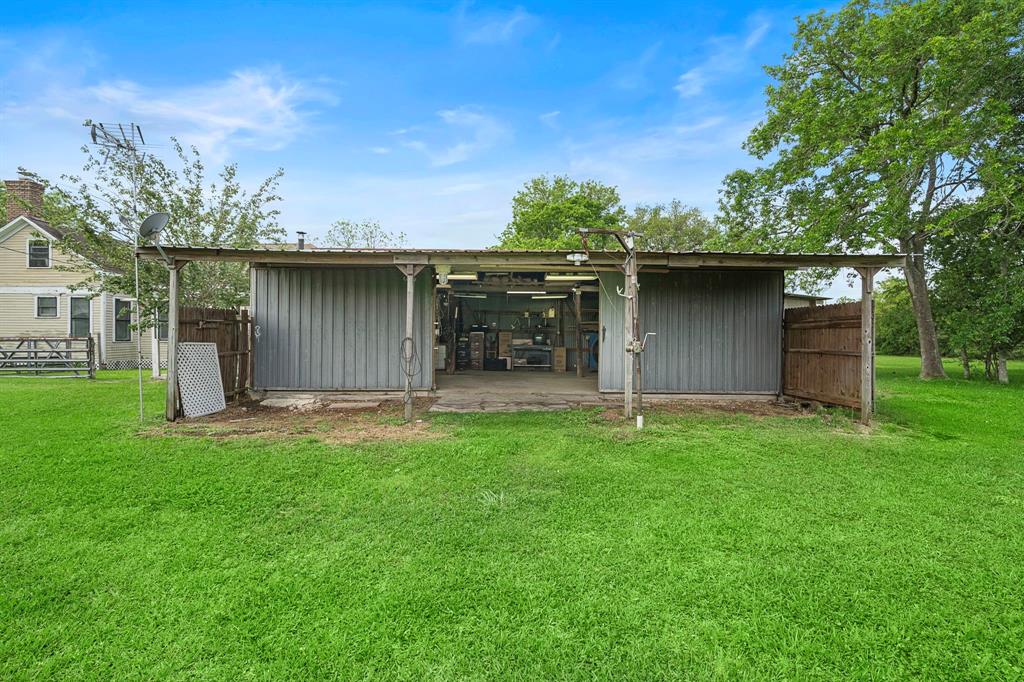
68 356
231 331
822 354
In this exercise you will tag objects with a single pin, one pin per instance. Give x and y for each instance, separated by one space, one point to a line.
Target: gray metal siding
338 328
717 331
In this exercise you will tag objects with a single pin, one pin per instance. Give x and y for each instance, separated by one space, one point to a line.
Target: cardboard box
558 359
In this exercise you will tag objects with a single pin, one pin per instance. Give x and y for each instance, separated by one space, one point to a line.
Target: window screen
38 253
46 306
79 316
122 320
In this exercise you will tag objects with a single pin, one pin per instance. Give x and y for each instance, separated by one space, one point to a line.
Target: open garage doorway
520 333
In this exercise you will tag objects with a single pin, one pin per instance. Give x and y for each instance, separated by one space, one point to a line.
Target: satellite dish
154 224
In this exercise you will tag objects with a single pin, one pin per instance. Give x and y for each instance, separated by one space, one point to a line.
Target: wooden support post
867 344
629 327
408 343
171 406
581 356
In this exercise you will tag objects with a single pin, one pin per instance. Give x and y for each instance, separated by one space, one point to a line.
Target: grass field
550 545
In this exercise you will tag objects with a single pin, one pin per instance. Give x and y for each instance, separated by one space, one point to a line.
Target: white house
40 294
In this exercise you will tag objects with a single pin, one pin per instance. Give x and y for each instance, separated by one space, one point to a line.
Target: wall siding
338 328
717 331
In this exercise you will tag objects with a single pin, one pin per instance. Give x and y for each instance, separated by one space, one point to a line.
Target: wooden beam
408 347
171 404
867 344
577 296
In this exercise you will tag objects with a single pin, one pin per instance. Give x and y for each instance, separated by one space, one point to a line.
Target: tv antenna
126 139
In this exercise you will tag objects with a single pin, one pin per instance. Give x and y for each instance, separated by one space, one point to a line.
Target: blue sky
426 117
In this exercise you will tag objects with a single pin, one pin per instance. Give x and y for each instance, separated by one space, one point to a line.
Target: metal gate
70 356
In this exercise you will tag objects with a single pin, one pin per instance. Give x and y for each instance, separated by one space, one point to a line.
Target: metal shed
336 328
358 319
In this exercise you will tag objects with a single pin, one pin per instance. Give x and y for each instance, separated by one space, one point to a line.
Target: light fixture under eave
549 296
470 295
577 258
463 277
525 293
569 278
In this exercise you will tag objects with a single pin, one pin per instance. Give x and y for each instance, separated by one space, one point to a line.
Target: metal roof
525 259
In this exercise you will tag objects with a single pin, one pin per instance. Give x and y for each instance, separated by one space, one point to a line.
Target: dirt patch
754 408
325 423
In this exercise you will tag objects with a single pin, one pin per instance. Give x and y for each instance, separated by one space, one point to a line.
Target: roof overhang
484 259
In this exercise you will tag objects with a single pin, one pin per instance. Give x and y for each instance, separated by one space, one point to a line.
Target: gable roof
21 222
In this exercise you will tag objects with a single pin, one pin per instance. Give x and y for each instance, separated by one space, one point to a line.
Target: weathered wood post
408 343
579 331
629 326
171 406
867 344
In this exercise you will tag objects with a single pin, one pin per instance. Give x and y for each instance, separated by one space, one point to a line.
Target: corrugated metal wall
717 331
338 328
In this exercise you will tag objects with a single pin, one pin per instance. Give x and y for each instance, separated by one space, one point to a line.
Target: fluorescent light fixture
463 277
525 293
566 278
550 296
470 295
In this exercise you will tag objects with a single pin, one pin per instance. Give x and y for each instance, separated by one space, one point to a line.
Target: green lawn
551 545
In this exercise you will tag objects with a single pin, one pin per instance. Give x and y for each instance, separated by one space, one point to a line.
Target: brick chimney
24 198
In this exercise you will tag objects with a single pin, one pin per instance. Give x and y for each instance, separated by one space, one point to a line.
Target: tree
548 211
881 122
671 227
895 328
980 289
349 234
99 217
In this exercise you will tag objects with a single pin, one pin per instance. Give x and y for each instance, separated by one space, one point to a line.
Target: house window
122 320
46 306
38 253
80 313
161 326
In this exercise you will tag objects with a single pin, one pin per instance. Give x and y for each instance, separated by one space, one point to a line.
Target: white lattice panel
199 382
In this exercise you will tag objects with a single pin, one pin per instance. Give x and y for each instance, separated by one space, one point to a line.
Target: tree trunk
965 361
988 365
928 339
1001 370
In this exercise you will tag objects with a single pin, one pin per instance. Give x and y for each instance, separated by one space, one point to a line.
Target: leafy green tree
881 122
369 234
979 286
671 227
548 211
101 210
895 328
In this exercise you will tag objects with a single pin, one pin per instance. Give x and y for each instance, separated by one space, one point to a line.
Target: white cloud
464 133
492 28
632 74
380 150
726 55
261 109
550 119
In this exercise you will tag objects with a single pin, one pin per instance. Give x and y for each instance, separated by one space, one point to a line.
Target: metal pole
867 344
171 407
407 343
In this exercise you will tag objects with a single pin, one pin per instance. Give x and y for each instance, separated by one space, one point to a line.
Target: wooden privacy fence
822 353
68 356
231 331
